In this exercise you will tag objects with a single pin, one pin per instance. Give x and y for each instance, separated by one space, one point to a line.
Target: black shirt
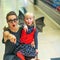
9 46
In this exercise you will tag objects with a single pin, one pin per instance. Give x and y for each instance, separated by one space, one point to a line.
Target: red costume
27 38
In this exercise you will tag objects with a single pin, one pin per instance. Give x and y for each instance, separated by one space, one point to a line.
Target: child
28 40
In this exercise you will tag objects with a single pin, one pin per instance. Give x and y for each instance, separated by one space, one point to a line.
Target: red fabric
20 55
27 38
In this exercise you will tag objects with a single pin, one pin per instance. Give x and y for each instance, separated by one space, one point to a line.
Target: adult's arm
9 36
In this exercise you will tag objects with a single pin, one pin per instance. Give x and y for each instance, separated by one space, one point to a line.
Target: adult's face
12 21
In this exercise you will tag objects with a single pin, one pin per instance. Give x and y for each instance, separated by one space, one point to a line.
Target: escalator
49 11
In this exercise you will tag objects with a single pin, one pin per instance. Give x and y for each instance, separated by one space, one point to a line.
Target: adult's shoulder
20 27
5 28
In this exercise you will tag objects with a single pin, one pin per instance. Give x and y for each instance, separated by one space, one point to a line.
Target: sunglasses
12 20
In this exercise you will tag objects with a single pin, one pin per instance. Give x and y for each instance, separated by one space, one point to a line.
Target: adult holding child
12 37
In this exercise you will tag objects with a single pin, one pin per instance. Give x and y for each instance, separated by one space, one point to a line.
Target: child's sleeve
36 39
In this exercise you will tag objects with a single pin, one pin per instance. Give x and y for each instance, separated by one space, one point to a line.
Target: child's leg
20 55
29 58
33 59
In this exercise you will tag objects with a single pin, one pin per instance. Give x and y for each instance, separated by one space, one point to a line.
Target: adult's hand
12 38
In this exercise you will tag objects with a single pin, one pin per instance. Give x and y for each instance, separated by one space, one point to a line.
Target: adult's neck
15 29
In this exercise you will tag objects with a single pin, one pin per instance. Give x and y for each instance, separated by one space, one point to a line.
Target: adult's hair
11 13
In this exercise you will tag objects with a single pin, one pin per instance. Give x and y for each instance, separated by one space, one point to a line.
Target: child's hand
37 51
25 28
12 38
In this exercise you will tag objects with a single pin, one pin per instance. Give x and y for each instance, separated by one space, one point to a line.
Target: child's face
12 21
29 19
